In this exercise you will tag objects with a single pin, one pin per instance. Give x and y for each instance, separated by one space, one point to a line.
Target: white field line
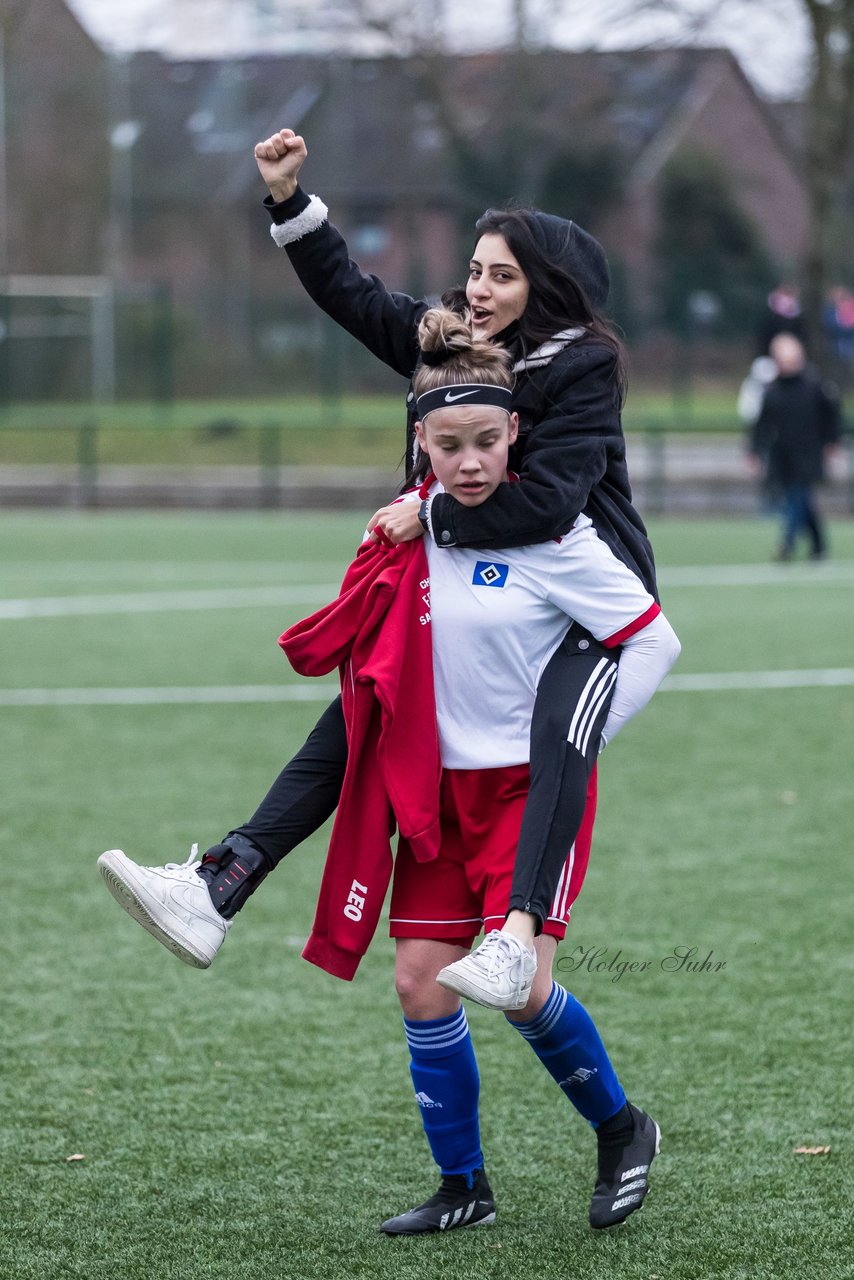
311 691
325 690
757 575
182 601
167 601
126 568
725 681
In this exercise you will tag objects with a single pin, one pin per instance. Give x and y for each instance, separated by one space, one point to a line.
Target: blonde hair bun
446 339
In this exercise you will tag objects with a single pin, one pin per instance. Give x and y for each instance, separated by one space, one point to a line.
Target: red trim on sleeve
633 627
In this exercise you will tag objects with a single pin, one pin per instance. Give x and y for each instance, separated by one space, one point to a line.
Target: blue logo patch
488 573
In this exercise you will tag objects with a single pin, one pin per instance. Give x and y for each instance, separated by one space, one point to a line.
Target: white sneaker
171 902
499 973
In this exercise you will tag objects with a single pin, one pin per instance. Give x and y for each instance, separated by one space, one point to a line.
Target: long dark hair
557 300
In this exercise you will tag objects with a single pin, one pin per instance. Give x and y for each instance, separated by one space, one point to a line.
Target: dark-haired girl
538 284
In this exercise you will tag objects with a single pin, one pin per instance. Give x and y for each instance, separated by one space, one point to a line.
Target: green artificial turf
256 1121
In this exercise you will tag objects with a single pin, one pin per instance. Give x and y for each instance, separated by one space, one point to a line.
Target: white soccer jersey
498 616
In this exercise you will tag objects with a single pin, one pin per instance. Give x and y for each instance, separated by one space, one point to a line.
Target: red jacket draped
377 632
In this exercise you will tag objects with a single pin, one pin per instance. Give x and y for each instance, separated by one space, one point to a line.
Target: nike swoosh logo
449 399
184 895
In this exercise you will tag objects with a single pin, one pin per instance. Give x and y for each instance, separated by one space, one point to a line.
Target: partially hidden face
497 288
468 449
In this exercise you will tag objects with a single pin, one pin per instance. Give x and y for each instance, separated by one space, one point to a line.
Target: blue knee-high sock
565 1039
447 1086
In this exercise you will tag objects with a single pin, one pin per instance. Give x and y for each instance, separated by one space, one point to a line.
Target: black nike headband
464 393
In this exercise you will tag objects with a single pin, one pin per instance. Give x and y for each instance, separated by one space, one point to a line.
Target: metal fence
673 470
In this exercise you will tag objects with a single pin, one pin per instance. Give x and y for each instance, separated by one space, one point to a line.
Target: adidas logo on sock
580 1076
424 1100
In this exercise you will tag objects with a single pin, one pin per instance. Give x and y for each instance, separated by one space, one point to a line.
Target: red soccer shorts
467 887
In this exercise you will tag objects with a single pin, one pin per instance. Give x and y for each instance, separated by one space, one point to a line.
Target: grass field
256 1121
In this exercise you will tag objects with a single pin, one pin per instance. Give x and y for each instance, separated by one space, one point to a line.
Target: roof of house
378 128
368 131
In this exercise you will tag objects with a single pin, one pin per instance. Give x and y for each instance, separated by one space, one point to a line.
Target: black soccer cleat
455 1204
623 1179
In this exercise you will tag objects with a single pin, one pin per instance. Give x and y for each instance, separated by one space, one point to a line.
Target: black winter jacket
800 416
571 454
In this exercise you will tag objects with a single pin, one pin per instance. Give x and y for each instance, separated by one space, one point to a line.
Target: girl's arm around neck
567 452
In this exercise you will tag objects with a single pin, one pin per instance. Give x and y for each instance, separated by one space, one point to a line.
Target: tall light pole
124 131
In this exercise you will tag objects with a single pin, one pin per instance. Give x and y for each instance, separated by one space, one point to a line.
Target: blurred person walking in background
799 423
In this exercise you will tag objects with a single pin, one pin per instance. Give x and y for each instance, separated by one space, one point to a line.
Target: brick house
719 115
55 145
393 143
404 151
197 219
54 193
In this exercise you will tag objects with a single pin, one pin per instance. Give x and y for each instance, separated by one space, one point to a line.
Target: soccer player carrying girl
496 618
538 284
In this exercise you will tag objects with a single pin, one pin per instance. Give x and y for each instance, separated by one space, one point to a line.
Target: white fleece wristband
312 217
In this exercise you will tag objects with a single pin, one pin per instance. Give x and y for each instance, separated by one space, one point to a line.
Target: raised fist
279 159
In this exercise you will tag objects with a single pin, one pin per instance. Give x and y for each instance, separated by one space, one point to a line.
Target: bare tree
409 27
429 33
829 132
401 27
423 28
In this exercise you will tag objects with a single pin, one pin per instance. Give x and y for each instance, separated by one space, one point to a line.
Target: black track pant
571 708
305 793
573 699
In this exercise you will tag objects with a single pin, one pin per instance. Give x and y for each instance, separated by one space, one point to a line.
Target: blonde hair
452 355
